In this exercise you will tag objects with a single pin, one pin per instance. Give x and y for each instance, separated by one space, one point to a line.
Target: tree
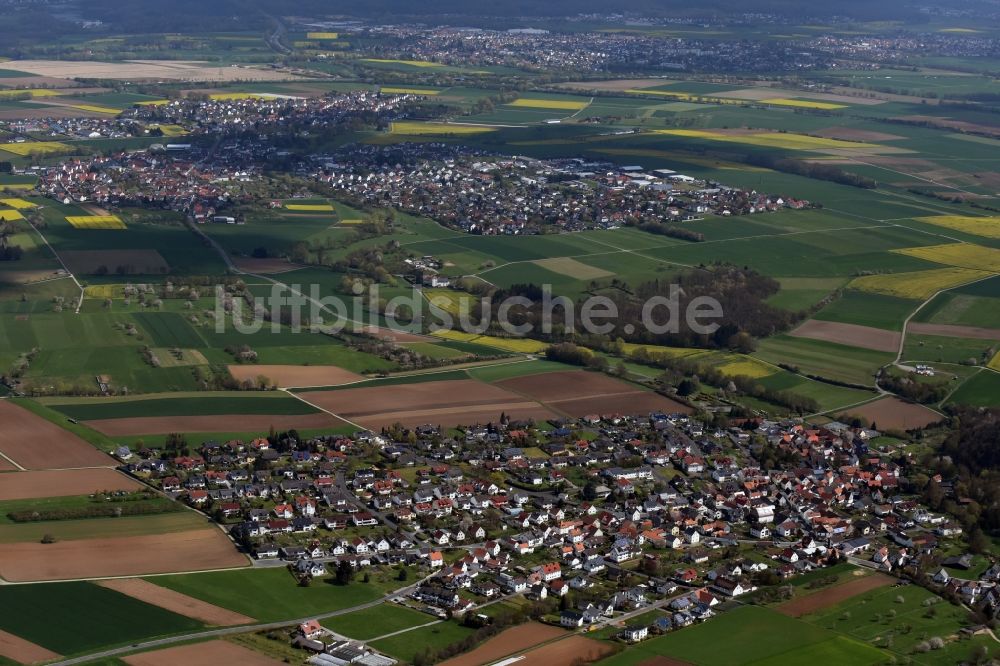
590 491
345 573
403 575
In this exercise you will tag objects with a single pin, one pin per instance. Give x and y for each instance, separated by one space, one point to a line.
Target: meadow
980 390
897 620
269 594
377 621
406 646
750 635
824 359
868 309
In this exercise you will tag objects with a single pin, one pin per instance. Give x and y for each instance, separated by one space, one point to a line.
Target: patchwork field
91 617
267 594
416 128
953 331
919 284
295 375
453 402
824 359
63 483
197 549
22 651
988 227
175 602
507 642
209 653
96 222
567 652
152 425
963 255
864 337
89 262
830 596
149 69
582 393
559 104
34 443
377 621
895 414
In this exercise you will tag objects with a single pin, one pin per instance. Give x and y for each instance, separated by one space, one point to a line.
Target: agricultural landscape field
376 335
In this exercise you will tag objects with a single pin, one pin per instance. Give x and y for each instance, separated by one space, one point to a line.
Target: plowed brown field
34 443
63 482
154 425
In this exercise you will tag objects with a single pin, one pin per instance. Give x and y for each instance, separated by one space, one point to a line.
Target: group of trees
924 392
969 454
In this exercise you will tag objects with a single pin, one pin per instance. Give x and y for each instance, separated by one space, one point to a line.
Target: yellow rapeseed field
34 147
96 221
919 284
561 104
34 92
802 103
389 90
322 208
451 301
518 345
10 215
962 255
418 128
96 109
978 226
784 140
412 63
746 366
664 93
171 130
322 35
19 204
630 349
994 363
457 336
102 291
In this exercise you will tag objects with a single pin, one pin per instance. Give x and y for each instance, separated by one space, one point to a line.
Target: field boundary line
62 263
336 416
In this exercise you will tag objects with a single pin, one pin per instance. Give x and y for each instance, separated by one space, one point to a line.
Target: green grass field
269 594
824 359
72 618
405 646
96 528
938 349
751 635
864 309
272 403
980 390
897 620
377 621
